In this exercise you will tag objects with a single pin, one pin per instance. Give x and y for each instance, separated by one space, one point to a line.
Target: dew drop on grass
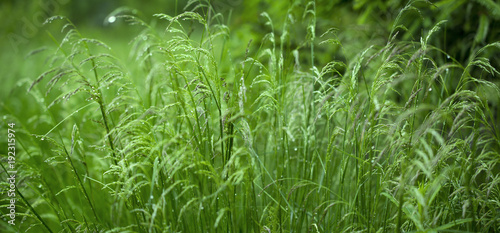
373 147
430 89
111 19
39 186
295 149
151 197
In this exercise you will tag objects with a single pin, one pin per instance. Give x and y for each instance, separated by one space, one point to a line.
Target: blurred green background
470 25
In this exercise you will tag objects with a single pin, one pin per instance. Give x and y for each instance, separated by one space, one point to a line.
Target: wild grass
191 139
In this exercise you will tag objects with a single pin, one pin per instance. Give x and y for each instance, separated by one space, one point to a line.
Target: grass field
301 116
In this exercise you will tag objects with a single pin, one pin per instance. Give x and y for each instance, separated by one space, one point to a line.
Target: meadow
289 116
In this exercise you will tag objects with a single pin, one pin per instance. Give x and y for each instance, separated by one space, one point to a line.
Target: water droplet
295 149
430 89
202 207
43 139
373 147
107 88
448 56
39 186
111 19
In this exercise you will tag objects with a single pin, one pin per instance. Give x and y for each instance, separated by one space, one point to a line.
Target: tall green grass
399 137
